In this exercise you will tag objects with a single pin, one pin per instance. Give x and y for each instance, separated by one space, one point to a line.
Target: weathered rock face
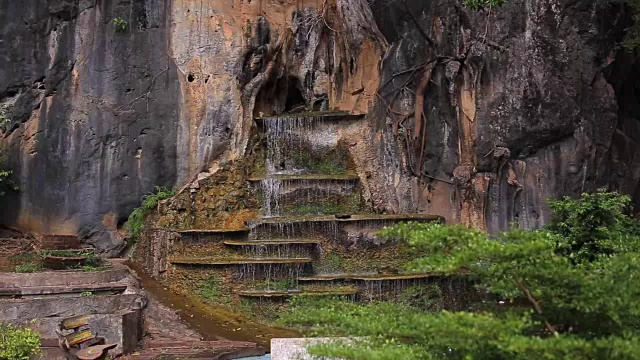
108 99
524 102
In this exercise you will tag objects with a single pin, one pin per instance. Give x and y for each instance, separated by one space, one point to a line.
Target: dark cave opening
295 101
280 95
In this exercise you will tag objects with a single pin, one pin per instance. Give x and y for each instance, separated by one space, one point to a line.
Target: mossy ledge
236 261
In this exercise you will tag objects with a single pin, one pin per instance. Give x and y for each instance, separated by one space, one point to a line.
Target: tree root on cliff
416 143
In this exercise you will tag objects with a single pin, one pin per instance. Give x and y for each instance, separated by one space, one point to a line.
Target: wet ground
209 322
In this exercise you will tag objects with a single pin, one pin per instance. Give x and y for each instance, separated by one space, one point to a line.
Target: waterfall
286 135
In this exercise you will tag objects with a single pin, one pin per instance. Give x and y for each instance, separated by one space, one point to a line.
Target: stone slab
123 329
27 309
61 278
296 348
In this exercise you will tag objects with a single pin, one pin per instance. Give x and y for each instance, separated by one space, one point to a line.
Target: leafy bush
591 226
120 24
17 343
135 223
567 292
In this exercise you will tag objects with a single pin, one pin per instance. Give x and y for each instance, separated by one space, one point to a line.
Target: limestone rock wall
109 98
528 101
531 100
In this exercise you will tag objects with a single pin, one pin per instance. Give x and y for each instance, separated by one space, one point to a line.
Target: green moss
29 267
282 284
214 291
322 163
350 204
331 263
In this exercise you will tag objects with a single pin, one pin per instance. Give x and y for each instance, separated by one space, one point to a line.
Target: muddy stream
212 323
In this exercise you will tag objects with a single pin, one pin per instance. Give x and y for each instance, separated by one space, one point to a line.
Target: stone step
271 242
62 278
212 350
31 308
307 177
309 194
214 231
290 293
236 261
76 290
335 227
364 277
59 242
345 219
318 115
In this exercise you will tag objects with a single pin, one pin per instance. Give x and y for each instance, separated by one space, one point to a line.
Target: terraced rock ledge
290 293
271 242
358 277
304 177
346 219
322 115
237 261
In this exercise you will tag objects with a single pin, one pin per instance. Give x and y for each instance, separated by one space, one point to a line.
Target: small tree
568 292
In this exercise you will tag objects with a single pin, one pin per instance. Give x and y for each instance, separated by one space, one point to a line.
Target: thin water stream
211 322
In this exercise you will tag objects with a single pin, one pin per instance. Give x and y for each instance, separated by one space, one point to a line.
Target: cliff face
529 101
524 102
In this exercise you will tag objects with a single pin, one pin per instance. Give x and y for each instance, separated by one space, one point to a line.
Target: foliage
590 226
5 182
30 267
482 4
86 294
567 292
17 343
135 223
120 24
426 297
4 114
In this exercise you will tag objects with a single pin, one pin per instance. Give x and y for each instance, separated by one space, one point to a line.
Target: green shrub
120 24
17 343
567 292
135 223
591 226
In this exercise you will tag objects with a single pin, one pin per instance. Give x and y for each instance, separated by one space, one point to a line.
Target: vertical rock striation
109 98
526 102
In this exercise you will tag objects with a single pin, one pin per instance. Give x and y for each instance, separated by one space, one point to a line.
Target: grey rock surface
529 101
296 348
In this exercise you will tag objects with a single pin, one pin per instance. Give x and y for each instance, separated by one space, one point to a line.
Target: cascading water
271 189
284 136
